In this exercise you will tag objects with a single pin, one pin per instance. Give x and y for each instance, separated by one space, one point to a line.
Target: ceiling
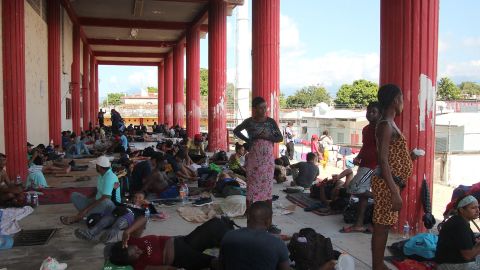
130 31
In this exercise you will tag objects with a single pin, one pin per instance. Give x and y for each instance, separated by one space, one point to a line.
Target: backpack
310 250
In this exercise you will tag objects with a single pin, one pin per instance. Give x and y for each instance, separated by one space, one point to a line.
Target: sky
330 43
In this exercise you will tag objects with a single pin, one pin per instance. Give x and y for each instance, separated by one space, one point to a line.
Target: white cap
103 161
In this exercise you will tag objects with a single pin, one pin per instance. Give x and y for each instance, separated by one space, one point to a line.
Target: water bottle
184 193
406 231
147 212
35 200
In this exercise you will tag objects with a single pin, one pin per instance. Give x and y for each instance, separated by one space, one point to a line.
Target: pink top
314 146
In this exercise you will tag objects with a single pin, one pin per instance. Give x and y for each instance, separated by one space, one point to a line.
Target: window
68 107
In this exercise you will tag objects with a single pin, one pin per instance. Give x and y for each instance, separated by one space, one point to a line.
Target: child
307 171
121 218
280 174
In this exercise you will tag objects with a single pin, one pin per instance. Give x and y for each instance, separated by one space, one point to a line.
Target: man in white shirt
289 135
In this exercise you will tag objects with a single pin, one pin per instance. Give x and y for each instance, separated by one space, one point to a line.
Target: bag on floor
170 193
423 245
350 213
310 250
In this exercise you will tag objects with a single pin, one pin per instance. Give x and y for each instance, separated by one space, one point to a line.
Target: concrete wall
2 131
36 79
67 58
457 168
141 101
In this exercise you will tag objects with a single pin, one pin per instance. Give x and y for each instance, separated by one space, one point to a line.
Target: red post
408 58
75 80
96 86
178 99
54 90
169 90
266 54
93 109
217 75
161 93
85 89
193 82
14 98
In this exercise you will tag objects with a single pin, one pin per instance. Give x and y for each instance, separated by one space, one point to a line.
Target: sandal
351 229
66 220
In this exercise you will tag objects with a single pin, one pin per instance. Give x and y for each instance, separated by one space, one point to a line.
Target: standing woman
262 132
395 167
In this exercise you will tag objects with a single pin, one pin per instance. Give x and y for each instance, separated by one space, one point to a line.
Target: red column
54 71
96 86
75 80
266 54
217 75
178 99
93 109
193 82
408 58
14 99
169 91
85 89
161 93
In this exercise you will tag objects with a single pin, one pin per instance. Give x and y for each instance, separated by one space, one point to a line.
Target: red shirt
314 146
368 153
152 247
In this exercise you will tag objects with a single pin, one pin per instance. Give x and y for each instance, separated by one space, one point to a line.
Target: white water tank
321 109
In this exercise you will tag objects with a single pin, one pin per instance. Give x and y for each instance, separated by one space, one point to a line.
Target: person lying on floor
167 252
122 217
307 171
457 246
329 190
50 167
102 202
184 172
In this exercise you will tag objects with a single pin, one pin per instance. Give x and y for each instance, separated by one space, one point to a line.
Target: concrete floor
88 255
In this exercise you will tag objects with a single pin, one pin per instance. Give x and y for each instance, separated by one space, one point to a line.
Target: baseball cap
103 161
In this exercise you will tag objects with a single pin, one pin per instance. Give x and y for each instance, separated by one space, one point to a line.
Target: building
457 132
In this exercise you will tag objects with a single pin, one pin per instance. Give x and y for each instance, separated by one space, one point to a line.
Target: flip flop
66 220
350 229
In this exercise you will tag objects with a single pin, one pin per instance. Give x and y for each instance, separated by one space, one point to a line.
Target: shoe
273 229
314 207
202 201
275 197
83 234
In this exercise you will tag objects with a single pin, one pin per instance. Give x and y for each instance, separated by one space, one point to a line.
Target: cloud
472 42
461 71
443 45
139 80
298 68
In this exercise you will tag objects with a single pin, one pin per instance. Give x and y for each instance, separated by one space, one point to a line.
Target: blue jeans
81 146
81 202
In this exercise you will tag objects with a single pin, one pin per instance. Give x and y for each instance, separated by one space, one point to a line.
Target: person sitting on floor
102 202
196 149
167 251
280 173
184 172
259 248
329 190
235 161
121 218
457 246
36 179
367 162
307 171
4 179
157 181
12 196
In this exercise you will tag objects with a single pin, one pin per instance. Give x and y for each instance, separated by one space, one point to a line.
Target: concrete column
217 75
266 54
193 82
408 58
161 93
14 99
93 109
169 90
85 89
75 80
243 49
178 99
54 71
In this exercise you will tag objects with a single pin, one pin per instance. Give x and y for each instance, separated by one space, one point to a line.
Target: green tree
447 90
152 89
470 88
113 99
308 97
203 82
359 93
282 100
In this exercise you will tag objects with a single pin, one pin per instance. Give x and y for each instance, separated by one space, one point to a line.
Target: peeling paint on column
426 101
196 111
219 109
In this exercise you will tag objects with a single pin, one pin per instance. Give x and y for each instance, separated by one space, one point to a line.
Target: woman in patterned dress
394 160
262 133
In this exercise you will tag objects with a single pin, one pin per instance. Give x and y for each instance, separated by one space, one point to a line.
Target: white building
457 132
149 99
